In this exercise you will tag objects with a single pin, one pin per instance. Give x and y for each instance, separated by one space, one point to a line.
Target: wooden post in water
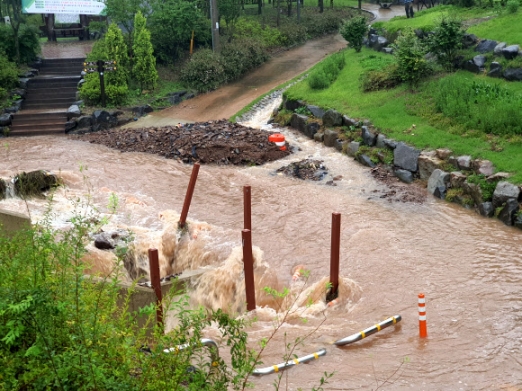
247 207
334 256
156 284
188 195
248 265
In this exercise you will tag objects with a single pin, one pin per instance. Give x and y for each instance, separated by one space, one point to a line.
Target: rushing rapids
467 266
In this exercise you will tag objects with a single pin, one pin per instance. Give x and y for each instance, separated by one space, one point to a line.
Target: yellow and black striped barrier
369 331
289 363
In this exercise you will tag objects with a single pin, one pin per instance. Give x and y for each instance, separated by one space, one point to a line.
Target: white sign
82 7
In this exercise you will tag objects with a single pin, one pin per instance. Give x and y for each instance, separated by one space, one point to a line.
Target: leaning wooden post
156 284
248 265
247 207
188 195
334 256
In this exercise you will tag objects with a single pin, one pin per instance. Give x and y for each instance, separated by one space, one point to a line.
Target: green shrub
487 187
353 31
144 67
8 73
250 28
293 33
446 41
327 71
409 52
376 80
204 71
487 107
240 56
28 41
318 24
512 6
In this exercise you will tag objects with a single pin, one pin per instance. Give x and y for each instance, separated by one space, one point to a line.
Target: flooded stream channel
467 266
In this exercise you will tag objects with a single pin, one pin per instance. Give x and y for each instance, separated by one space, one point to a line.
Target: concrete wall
12 222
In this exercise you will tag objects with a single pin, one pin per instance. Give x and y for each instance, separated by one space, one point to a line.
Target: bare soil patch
397 191
213 142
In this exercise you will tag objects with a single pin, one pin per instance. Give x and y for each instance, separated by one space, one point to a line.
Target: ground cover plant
413 117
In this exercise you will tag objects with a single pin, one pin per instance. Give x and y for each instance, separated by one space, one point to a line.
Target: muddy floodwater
467 266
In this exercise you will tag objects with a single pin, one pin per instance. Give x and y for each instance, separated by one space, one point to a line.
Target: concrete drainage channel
214 350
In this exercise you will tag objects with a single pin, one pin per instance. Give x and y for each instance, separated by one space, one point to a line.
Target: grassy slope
505 28
387 109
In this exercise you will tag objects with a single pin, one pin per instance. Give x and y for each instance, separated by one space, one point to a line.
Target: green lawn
504 28
389 112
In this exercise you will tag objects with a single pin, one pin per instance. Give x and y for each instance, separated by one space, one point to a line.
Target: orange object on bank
279 140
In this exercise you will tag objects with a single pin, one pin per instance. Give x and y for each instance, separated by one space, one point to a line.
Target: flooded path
467 266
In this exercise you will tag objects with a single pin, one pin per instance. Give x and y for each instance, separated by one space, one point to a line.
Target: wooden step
37 132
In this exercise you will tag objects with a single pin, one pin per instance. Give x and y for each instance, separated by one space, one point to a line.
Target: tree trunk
278 11
321 6
289 8
259 6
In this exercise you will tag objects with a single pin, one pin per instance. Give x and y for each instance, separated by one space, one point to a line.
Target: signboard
67 18
83 7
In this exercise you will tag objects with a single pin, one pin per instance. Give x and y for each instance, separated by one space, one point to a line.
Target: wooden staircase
49 95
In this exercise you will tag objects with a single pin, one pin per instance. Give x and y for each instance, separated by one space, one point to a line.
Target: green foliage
62 330
29 44
269 36
327 71
383 79
512 6
144 69
111 47
303 110
487 107
487 187
446 41
204 71
8 73
409 52
122 12
354 30
240 56
171 24
293 33
229 10
328 22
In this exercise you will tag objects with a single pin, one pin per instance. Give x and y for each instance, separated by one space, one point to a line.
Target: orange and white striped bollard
297 273
423 328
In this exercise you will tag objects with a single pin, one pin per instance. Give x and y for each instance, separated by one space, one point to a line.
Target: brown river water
467 266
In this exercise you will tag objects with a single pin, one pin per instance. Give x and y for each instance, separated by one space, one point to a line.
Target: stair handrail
369 331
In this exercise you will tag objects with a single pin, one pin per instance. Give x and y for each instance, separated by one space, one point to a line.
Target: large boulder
513 74
316 111
365 159
332 118
312 128
347 121
377 42
406 157
33 183
495 69
457 179
509 211
505 191
292 105
474 191
73 112
484 167
298 121
103 118
443 153
486 46
428 162
464 162
438 179
404 175
5 119
329 137
498 49
368 137
353 147
486 209
510 52
379 142
469 40
84 122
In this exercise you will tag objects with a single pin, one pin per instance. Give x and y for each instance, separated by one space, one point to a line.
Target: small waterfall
10 189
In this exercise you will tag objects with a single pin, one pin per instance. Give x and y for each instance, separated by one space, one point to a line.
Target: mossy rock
34 183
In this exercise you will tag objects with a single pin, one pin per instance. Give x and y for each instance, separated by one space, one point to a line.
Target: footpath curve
231 98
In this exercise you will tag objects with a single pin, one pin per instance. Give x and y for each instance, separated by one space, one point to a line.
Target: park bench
73 30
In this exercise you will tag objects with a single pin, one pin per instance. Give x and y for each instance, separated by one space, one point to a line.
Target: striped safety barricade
369 331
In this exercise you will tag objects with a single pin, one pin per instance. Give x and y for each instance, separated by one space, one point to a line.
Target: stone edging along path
469 182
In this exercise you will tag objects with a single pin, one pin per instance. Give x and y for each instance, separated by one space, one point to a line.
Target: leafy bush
240 56
8 73
204 71
326 23
512 6
111 47
144 67
409 52
171 24
354 31
249 28
326 73
293 33
487 107
62 330
446 41
382 79
28 41
487 187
